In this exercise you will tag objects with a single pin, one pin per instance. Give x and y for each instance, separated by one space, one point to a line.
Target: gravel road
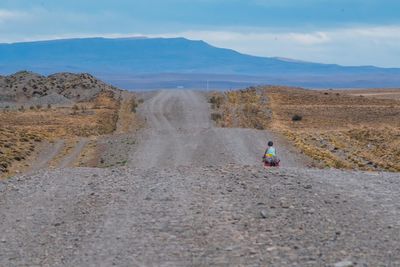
187 197
180 133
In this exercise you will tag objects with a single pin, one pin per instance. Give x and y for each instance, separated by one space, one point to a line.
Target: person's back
271 151
270 158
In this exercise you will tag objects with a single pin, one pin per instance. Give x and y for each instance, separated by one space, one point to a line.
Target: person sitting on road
269 157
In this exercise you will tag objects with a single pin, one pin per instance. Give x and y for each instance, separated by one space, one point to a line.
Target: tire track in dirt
69 159
47 154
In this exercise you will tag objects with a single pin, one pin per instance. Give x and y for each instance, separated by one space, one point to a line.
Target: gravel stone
344 264
264 214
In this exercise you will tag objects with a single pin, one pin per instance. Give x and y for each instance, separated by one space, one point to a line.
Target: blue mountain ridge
123 61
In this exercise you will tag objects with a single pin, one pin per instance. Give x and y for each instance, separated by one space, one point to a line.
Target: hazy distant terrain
143 63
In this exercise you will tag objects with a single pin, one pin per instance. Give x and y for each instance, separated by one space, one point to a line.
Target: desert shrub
75 109
297 117
133 105
38 107
24 139
215 101
31 107
107 123
48 106
216 117
251 110
258 126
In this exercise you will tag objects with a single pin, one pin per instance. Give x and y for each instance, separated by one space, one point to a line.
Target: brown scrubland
22 130
37 110
341 129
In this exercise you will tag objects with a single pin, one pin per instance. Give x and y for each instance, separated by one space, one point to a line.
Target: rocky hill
30 88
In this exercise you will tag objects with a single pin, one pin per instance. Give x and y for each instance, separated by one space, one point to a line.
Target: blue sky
352 32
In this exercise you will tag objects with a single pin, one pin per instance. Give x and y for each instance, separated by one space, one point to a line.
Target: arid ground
57 121
182 192
340 129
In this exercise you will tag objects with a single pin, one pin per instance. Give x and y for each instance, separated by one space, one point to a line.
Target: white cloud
9 15
375 45
309 38
227 36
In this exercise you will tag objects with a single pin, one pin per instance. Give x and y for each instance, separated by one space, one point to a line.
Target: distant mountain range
152 63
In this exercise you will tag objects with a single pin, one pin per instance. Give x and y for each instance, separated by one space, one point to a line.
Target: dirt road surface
194 195
180 133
